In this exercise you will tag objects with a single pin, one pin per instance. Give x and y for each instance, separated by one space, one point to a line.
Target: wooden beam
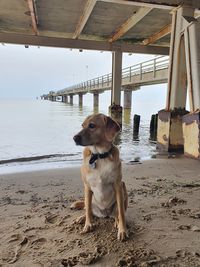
33 16
154 4
81 44
158 35
89 6
132 21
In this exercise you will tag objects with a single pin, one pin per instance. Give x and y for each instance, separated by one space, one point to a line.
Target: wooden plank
132 21
158 35
154 4
90 4
33 16
81 44
160 4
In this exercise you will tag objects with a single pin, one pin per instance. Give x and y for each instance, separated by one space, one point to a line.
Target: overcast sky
31 72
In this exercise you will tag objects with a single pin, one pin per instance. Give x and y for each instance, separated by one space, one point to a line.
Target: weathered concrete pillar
184 72
127 99
115 108
191 122
96 100
63 98
66 99
71 99
80 99
127 116
170 130
191 134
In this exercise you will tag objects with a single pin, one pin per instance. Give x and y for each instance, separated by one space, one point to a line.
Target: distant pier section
150 72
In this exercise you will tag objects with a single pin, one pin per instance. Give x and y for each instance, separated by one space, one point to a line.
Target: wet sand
37 227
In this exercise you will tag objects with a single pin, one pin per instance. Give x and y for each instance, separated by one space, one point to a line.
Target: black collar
96 156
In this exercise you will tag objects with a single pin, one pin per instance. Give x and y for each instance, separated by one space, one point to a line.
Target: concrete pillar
127 116
191 122
63 98
71 99
174 123
115 108
170 130
177 85
96 100
80 99
127 99
66 99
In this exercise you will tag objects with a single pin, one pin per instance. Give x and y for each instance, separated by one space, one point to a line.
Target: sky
27 73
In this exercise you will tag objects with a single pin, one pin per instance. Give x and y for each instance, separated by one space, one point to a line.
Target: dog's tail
78 205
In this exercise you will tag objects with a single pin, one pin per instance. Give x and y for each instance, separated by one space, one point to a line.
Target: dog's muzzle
77 139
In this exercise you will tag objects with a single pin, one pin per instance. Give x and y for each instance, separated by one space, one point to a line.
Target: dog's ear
112 128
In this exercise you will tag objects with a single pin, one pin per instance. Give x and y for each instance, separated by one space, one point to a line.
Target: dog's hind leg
78 205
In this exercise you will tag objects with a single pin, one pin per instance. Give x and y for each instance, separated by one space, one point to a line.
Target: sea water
37 134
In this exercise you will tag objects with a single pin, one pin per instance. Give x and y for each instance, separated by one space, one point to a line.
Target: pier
150 72
158 27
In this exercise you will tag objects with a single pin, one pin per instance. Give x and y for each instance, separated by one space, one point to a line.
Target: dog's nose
77 139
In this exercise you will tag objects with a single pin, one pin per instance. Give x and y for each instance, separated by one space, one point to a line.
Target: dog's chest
104 173
101 181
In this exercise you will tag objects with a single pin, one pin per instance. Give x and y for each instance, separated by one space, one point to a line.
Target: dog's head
97 129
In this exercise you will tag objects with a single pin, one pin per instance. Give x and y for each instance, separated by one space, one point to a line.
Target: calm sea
37 134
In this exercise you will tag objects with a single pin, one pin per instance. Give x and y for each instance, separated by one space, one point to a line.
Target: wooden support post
136 126
153 127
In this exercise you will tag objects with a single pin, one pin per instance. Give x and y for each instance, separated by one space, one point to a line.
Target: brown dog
105 193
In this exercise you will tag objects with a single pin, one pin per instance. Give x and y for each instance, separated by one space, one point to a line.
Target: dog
105 193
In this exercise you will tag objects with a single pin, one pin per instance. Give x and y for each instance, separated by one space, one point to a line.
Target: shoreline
37 226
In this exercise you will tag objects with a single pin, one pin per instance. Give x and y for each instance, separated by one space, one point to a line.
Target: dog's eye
91 125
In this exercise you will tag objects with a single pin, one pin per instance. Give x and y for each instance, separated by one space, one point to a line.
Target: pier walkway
150 72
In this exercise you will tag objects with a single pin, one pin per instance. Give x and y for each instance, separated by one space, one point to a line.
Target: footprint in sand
51 218
15 237
39 241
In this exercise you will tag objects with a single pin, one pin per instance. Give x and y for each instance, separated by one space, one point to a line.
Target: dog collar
94 157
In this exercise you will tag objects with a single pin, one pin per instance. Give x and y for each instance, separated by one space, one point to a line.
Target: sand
37 227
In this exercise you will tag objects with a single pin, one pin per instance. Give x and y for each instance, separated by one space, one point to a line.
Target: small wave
35 158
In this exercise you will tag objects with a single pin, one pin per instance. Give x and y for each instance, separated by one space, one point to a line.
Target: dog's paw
122 235
87 228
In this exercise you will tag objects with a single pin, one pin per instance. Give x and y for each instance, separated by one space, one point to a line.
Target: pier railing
149 66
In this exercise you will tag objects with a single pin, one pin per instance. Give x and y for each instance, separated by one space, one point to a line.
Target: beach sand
37 227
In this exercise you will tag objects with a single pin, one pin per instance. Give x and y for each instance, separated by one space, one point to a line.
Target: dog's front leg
88 209
122 231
